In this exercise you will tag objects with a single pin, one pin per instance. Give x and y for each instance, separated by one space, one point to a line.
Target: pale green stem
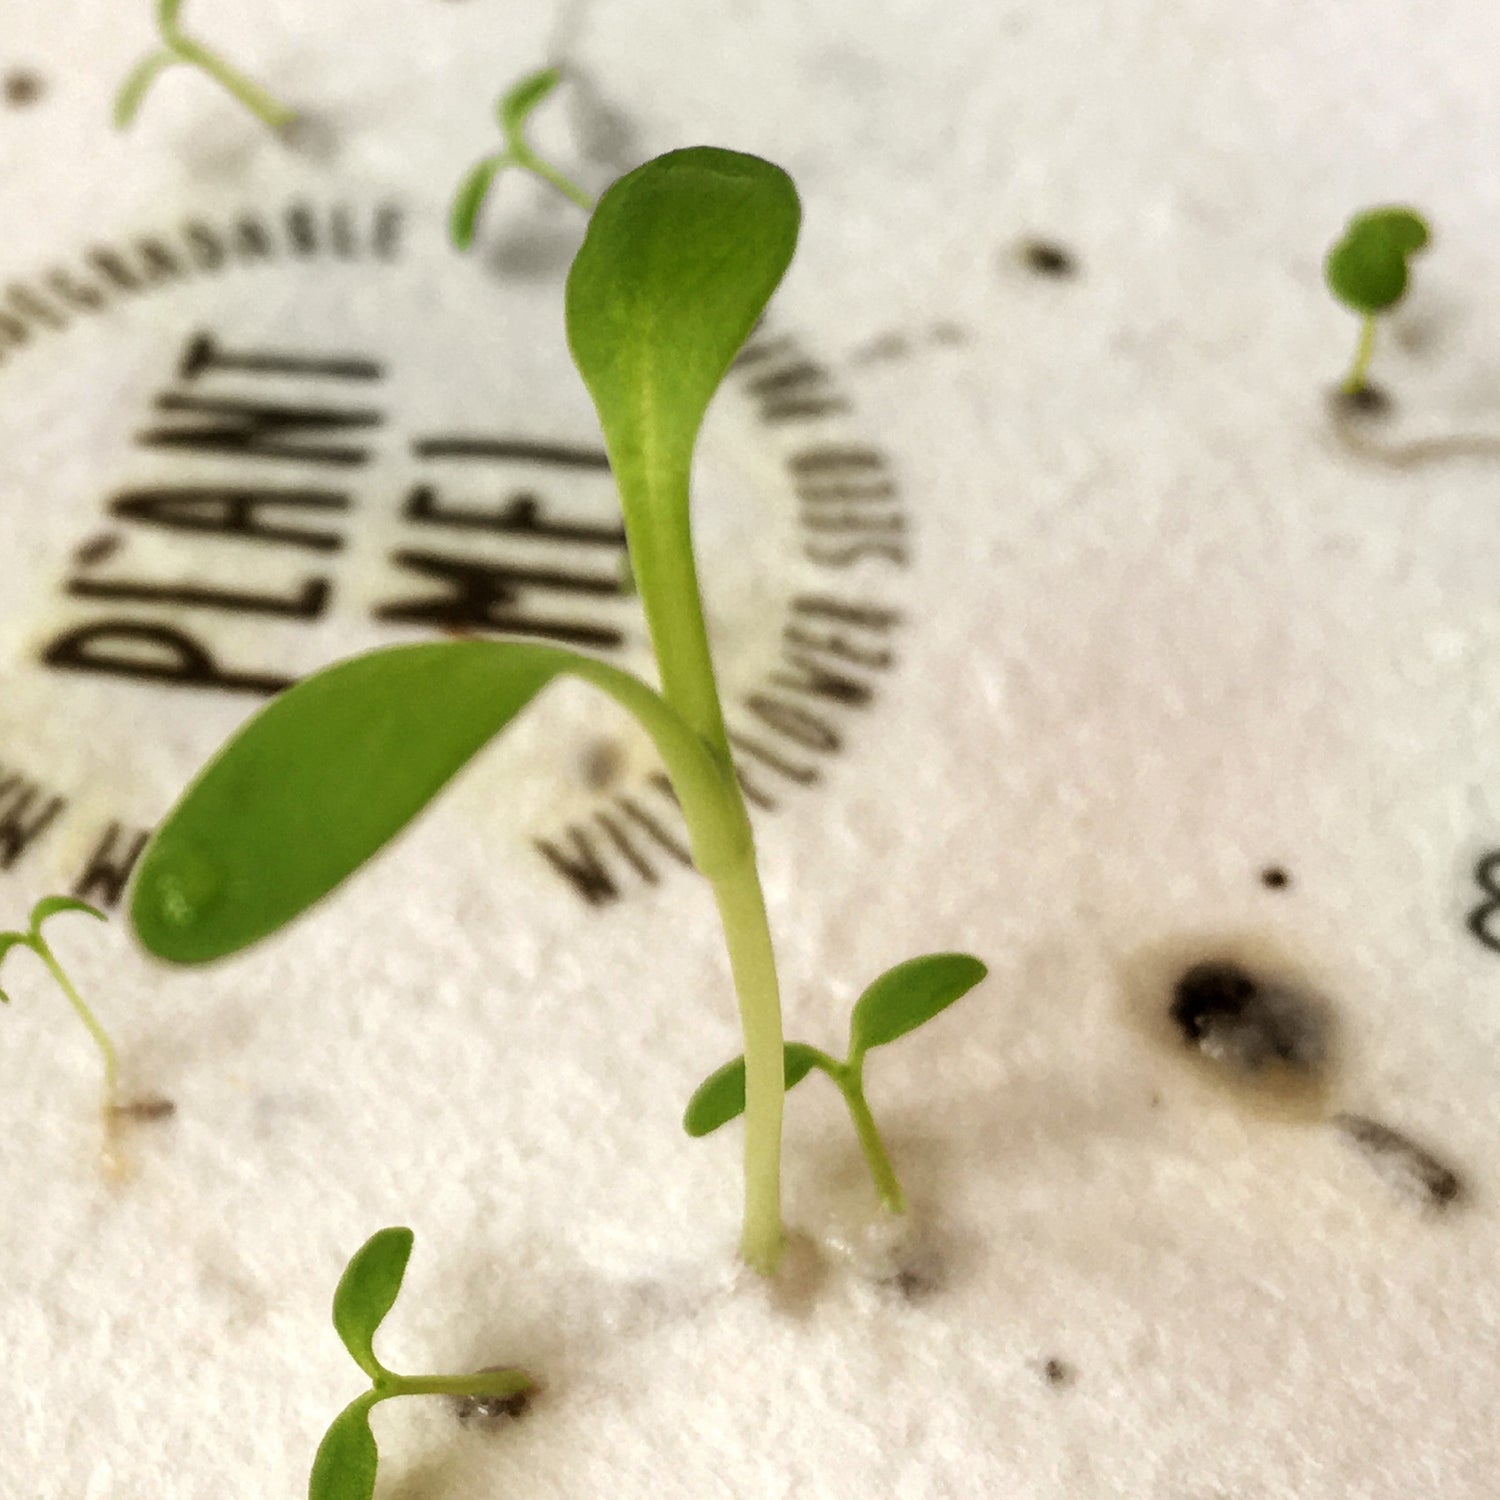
747 934
523 156
667 577
1354 382
39 944
496 1383
852 1085
270 109
661 552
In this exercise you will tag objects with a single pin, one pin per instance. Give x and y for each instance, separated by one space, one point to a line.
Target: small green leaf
347 1460
908 995
720 1098
49 906
680 259
467 202
519 101
1367 269
9 940
330 771
1405 228
136 86
366 1292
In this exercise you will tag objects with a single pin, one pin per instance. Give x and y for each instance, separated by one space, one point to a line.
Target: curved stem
853 1087
265 105
523 156
712 804
39 945
1354 382
659 535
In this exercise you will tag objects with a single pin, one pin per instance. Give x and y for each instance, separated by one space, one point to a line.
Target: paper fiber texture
1054 616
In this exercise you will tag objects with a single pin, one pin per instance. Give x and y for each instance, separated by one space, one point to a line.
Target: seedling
680 259
511 111
1367 271
177 48
32 938
901 1000
347 1459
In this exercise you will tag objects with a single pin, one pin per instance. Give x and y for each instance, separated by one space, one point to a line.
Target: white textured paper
1158 631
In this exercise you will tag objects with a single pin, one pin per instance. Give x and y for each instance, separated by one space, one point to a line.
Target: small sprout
177 48
347 1459
50 906
1367 271
511 112
899 1001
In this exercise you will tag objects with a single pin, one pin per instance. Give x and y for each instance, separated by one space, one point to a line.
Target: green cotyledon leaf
680 259
50 906
347 1459
137 85
367 1291
909 995
1367 269
518 102
463 217
332 769
720 1098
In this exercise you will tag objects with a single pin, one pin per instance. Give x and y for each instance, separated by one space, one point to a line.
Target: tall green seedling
677 265
680 260
178 48
347 1461
512 111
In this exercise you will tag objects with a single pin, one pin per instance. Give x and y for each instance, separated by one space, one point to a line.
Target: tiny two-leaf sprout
32 938
679 261
347 1459
1367 271
512 110
177 48
899 1001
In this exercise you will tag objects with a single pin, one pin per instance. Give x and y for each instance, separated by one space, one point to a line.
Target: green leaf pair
1368 271
177 48
347 1459
32 938
902 999
511 111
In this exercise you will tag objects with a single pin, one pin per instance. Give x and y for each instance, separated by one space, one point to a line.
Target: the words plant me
680 259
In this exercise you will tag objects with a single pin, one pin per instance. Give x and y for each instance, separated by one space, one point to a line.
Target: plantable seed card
1073 637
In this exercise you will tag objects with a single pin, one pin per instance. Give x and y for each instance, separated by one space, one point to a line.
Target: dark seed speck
1368 401
145 1110
1235 1020
490 1408
1047 258
22 87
